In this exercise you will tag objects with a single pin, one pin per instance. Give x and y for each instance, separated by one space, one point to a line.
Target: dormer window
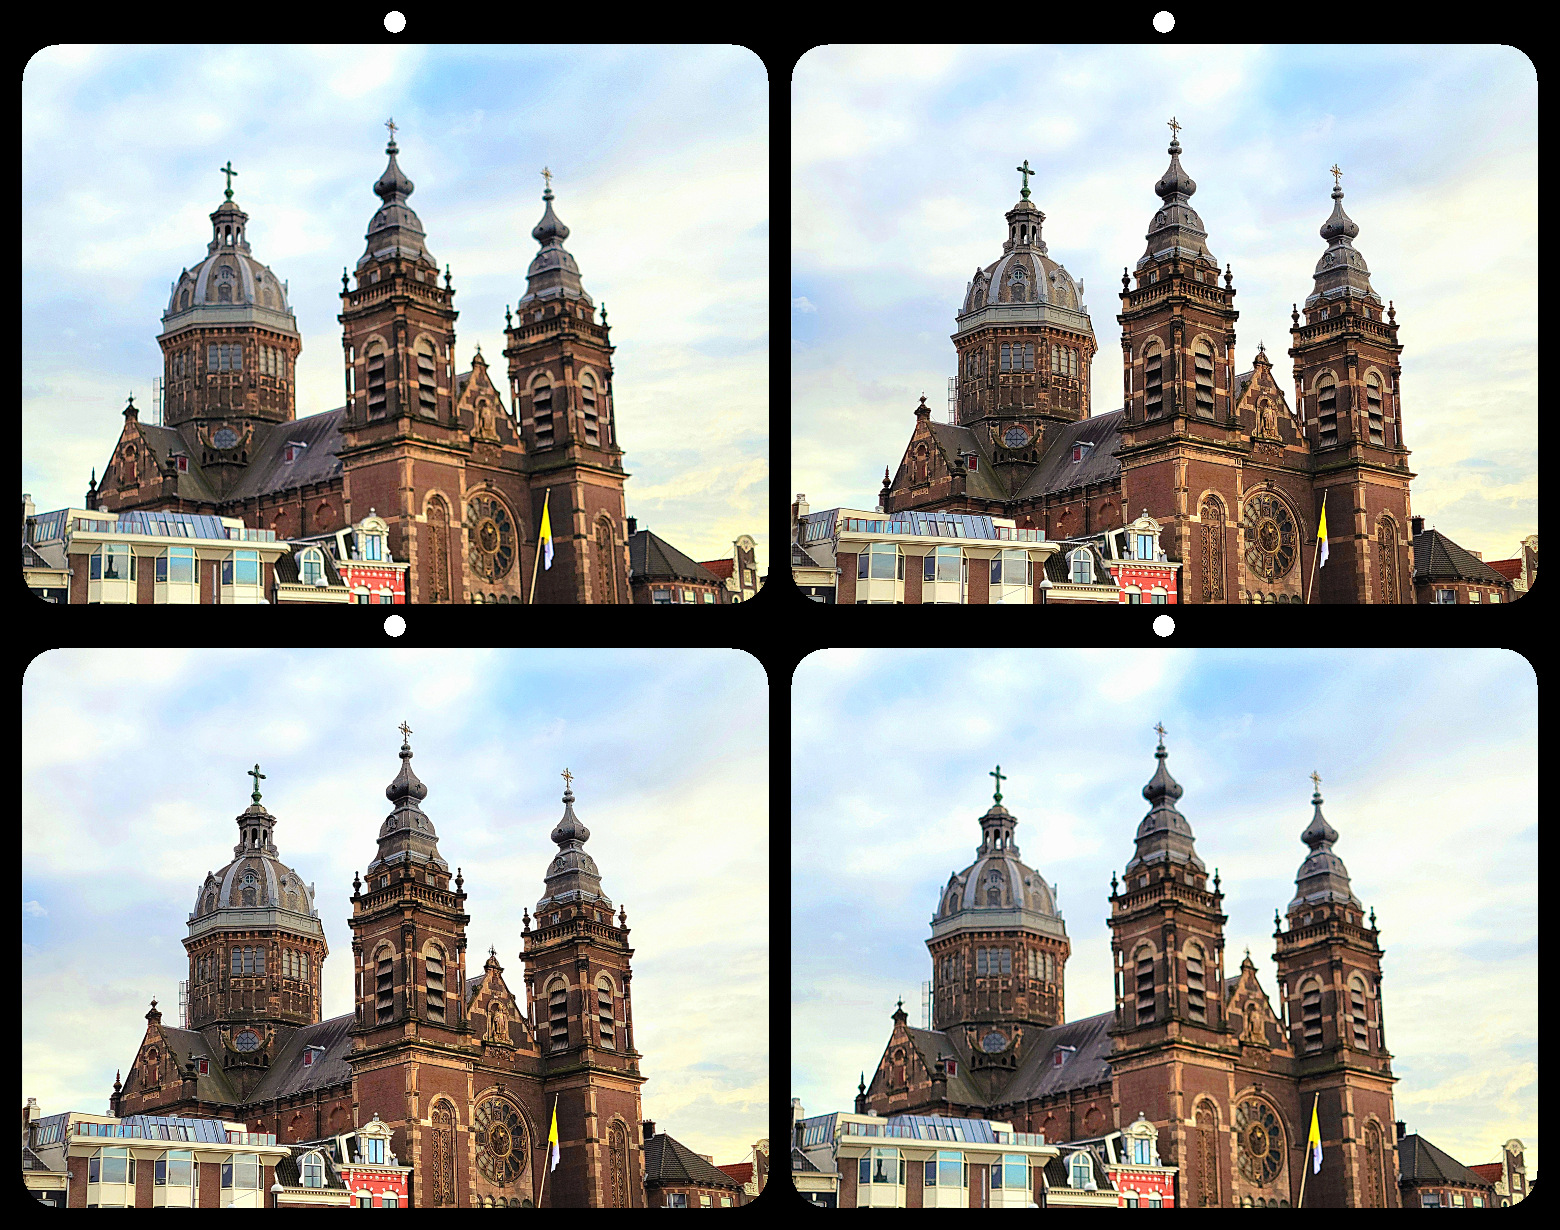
971 463
203 1067
1082 450
293 450
373 546
1082 567
952 1066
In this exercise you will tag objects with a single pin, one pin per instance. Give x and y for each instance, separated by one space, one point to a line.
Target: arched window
1145 986
604 1015
1153 378
436 551
427 381
606 561
617 1166
311 1167
384 986
184 299
443 1124
1357 1013
224 293
1202 365
1082 567
1018 286
1327 410
588 407
1311 1013
433 968
1081 1172
542 414
994 887
1196 993
1386 559
1373 408
311 567
1207 1158
375 357
1212 517
1375 1198
922 466
558 1014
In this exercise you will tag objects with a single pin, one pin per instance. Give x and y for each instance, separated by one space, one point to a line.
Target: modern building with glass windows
148 1161
923 557
925 1161
147 558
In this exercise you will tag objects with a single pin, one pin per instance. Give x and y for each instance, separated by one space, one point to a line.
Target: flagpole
537 562
1316 550
548 1156
1305 1166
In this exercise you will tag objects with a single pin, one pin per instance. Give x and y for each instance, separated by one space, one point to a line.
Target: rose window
1271 541
1261 1141
492 538
500 1137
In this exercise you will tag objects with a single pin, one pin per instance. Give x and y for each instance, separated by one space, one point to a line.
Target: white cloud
33 910
801 304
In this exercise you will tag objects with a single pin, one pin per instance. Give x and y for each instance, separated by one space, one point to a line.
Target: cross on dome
1000 776
568 779
1316 781
1025 170
1175 129
1160 727
547 176
1336 174
390 124
259 777
229 172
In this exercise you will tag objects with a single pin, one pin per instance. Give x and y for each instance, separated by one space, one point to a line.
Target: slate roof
471 986
1057 470
31 558
1438 558
31 1161
1419 1161
288 1173
801 1162
1241 381
800 558
1059 1174
670 1163
1058 566
1089 1065
934 1045
193 483
267 472
213 1087
289 1076
983 484
287 565
654 559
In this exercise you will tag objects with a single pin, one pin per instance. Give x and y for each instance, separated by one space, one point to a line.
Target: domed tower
1329 973
1347 377
999 948
398 339
1025 343
229 345
577 976
560 384
255 947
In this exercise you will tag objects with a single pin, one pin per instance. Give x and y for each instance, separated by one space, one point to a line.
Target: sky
1428 772
660 159
135 768
903 167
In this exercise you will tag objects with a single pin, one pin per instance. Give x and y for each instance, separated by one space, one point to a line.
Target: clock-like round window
224 437
492 534
501 1141
1015 437
246 1040
1261 1141
993 1043
1271 541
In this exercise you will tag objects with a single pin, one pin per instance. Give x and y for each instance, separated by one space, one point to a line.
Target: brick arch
1374 1185
605 543
442 1120
1387 559
434 549
1205 1121
620 1186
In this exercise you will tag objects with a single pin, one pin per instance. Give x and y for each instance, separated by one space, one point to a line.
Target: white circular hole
395 625
1163 22
396 22
1163 625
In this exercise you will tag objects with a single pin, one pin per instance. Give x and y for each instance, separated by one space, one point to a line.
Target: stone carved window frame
1205 1118
443 1119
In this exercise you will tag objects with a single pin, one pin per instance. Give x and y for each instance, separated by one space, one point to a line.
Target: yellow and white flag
552 1132
1321 533
547 545
1314 1141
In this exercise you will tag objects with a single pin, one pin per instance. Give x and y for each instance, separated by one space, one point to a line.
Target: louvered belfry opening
385 989
435 970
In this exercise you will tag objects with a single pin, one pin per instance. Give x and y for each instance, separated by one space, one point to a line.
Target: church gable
480 410
1262 409
1250 1014
494 1013
902 1075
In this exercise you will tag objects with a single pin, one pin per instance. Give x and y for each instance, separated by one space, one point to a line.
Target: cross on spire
547 176
1160 727
390 124
259 777
229 172
1000 776
1316 781
406 731
1336 174
1026 172
1175 129
568 779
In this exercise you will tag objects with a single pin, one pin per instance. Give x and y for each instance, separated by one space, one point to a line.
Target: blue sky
1428 762
902 169
134 770
660 157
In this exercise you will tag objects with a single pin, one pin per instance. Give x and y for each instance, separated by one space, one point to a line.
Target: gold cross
390 124
1336 174
568 779
1316 781
1175 129
547 175
1160 727
406 731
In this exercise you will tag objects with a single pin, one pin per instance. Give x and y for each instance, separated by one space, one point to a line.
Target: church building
461 479
1233 473
465 1073
1227 1080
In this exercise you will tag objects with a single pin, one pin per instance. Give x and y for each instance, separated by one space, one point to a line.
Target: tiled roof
1420 1161
1037 1077
1438 558
1057 470
800 558
289 1173
718 567
31 558
742 1172
31 1161
654 559
801 1163
268 472
934 1045
1511 569
670 1163
288 1074
287 566
984 483
193 484
1490 1172
213 1087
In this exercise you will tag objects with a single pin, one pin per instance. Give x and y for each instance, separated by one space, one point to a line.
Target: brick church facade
460 479
1228 1081
463 1071
1235 475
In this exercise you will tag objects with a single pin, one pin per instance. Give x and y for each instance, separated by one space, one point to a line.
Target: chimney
633 526
1400 1129
1418 525
30 1117
648 1127
801 504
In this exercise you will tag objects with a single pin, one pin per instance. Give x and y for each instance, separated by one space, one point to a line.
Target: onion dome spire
553 272
407 837
1341 273
395 230
1322 876
1176 230
1164 836
572 876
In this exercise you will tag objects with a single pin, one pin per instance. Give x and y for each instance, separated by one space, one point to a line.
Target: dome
255 889
553 272
1024 285
228 286
998 880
